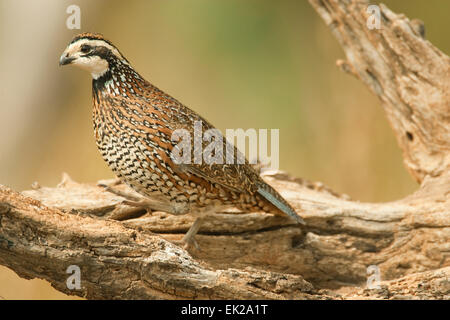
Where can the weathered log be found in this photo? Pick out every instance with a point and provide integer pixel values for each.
(409, 75)
(258, 255)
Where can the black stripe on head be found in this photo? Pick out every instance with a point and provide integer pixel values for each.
(104, 53)
(101, 51)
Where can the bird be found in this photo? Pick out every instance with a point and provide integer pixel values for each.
(134, 124)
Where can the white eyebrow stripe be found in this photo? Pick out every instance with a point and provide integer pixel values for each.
(95, 43)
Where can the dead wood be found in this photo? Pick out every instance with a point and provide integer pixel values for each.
(260, 256)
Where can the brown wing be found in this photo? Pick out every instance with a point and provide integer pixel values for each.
(235, 177)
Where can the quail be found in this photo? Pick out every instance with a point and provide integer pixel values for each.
(134, 125)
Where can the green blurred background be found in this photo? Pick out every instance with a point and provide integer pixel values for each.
(240, 64)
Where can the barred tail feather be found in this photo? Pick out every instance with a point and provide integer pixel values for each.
(280, 203)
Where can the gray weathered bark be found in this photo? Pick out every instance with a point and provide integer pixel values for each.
(43, 231)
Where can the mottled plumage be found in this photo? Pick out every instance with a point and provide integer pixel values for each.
(133, 124)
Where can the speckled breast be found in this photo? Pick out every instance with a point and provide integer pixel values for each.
(138, 162)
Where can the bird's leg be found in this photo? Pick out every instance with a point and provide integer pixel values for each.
(139, 203)
(188, 238)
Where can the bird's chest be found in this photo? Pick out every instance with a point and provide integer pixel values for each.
(125, 153)
(120, 151)
(133, 158)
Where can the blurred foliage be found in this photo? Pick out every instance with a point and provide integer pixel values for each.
(240, 64)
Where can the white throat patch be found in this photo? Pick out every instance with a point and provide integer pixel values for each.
(95, 65)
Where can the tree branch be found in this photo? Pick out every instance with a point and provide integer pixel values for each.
(409, 75)
(258, 255)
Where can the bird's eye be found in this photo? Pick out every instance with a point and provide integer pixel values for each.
(85, 48)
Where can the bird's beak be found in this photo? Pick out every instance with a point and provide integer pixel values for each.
(65, 59)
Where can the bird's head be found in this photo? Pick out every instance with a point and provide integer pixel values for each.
(93, 53)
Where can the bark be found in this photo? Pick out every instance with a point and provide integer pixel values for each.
(258, 255)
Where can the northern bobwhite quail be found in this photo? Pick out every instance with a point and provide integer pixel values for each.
(134, 122)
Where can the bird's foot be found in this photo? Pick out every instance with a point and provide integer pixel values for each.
(188, 240)
(189, 243)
